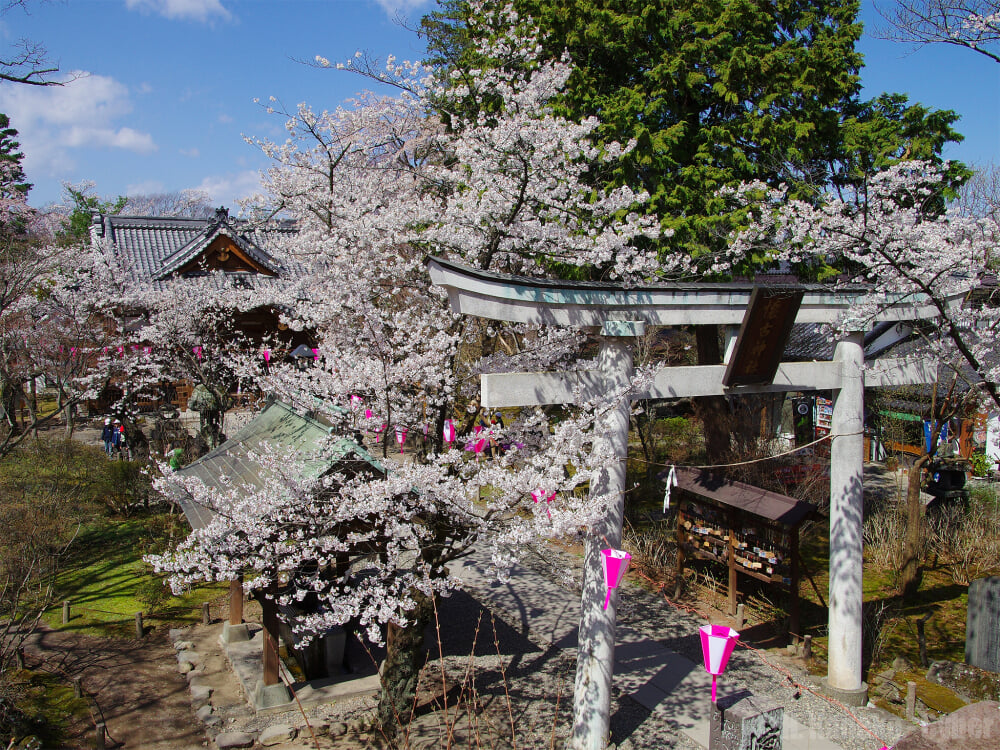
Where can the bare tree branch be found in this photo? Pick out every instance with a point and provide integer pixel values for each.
(973, 24)
(26, 62)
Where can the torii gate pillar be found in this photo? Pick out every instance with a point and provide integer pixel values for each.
(596, 650)
(846, 525)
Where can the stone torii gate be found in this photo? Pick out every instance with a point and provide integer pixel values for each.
(619, 313)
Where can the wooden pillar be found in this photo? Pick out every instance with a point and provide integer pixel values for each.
(236, 601)
(795, 607)
(681, 538)
(731, 548)
(270, 635)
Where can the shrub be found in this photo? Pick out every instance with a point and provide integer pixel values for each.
(981, 464)
(967, 540)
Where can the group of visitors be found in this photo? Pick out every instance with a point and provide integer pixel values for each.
(115, 444)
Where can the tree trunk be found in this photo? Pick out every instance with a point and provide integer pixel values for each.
(70, 420)
(911, 572)
(401, 671)
(712, 410)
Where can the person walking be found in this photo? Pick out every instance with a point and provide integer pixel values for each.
(107, 435)
(117, 438)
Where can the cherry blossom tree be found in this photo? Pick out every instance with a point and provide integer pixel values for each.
(374, 185)
(893, 238)
(973, 24)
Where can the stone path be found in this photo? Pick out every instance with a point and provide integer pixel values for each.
(671, 686)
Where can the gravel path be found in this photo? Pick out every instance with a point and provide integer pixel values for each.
(648, 614)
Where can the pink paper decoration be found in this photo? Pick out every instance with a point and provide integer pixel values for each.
(379, 430)
(121, 350)
(147, 350)
(717, 644)
(427, 429)
(267, 355)
(400, 437)
(315, 354)
(355, 402)
(197, 351)
(615, 564)
(449, 431)
(368, 414)
(539, 494)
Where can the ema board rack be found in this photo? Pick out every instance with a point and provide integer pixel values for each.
(753, 532)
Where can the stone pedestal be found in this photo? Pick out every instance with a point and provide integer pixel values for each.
(268, 696)
(234, 633)
(982, 625)
(745, 722)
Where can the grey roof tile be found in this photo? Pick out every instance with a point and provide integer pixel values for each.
(151, 247)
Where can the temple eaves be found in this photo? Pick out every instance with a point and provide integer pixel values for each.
(522, 299)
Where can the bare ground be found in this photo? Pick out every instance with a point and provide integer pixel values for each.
(134, 687)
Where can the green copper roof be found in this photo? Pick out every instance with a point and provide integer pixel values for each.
(282, 428)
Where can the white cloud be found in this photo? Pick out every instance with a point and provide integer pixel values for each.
(394, 8)
(146, 187)
(195, 10)
(226, 190)
(82, 114)
(193, 152)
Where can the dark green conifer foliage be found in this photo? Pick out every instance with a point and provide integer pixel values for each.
(718, 92)
(14, 186)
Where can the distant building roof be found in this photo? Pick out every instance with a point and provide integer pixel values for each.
(807, 341)
(152, 248)
(282, 428)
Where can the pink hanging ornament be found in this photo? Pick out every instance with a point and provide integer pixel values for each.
(315, 354)
(379, 430)
(400, 437)
(368, 413)
(355, 402)
(427, 429)
(539, 494)
(267, 355)
(615, 564)
(147, 350)
(197, 351)
(121, 350)
(717, 644)
(449, 431)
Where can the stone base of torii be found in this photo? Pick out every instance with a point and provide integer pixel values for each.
(619, 314)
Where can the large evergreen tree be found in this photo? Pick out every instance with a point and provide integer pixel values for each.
(14, 186)
(717, 92)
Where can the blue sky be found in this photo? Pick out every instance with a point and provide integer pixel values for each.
(170, 85)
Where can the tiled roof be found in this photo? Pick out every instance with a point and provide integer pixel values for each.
(282, 428)
(152, 247)
(807, 342)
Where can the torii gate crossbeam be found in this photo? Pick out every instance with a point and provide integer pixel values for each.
(619, 313)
